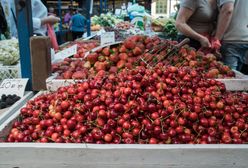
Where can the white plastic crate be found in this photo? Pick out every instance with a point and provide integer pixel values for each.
(10, 72)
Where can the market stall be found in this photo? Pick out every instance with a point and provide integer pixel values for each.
(129, 95)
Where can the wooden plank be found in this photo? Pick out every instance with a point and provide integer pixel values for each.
(120, 156)
(52, 84)
(41, 61)
(235, 84)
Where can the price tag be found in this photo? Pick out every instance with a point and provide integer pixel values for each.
(66, 53)
(107, 38)
(13, 86)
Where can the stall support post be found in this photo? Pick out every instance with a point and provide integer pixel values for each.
(89, 4)
(25, 31)
(60, 32)
(100, 6)
(113, 6)
(105, 6)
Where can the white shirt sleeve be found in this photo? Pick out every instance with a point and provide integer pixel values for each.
(36, 23)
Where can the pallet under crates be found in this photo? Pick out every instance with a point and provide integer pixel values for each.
(51, 155)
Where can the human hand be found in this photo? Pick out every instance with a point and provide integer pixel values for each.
(215, 43)
(51, 20)
(205, 42)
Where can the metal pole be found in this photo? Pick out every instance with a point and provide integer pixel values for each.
(105, 6)
(100, 6)
(59, 35)
(89, 4)
(25, 31)
(114, 6)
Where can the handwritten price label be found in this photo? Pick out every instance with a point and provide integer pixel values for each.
(13, 86)
(66, 53)
(107, 38)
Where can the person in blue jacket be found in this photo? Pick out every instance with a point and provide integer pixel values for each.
(78, 23)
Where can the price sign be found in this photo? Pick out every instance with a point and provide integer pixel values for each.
(66, 53)
(13, 86)
(107, 38)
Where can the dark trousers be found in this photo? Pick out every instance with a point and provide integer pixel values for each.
(76, 35)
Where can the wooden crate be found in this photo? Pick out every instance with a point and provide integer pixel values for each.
(240, 83)
(51, 155)
(34, 155)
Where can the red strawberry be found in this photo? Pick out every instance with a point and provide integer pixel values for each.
(123, 56)
(92, 57)
(121, 64)
(123, 49)
(106, 51)
(137, 51)
(114, 58)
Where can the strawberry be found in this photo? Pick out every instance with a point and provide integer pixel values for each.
(100, 66)
(101, 58)
(114, 58)
(113, 69)
(79, 75)
(129, 44)
(121, 64)
(67, 75)
(123, 56)
(92, 57)
(123, 49)
(106, 51)
(137, 51)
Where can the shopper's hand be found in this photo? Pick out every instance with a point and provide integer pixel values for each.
(215, 44)
(205, 42)
(50, 20)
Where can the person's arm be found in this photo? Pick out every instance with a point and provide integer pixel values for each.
(181, 24)
(37, 22)
(224, 19)
(50, 20)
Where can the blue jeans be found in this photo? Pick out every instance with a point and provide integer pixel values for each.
(235, 55)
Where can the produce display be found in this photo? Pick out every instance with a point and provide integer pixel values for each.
(83, 47)
(170, 29)
(8, 100)
(9, 52)
(164, 105)
(125, 25)
(95, 27)
(127, 55)
(108, 59)
(118, 35)
(105, 20)
(167, 26)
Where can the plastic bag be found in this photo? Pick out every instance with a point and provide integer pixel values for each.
(52, 36)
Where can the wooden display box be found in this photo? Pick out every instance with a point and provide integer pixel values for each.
(52, 155)
(34, 155)
(240, 83)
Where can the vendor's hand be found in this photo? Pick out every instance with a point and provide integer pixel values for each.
(215, 43)
(205, 42)
(51, 20)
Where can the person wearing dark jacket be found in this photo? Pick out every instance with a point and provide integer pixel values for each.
(78, 23)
